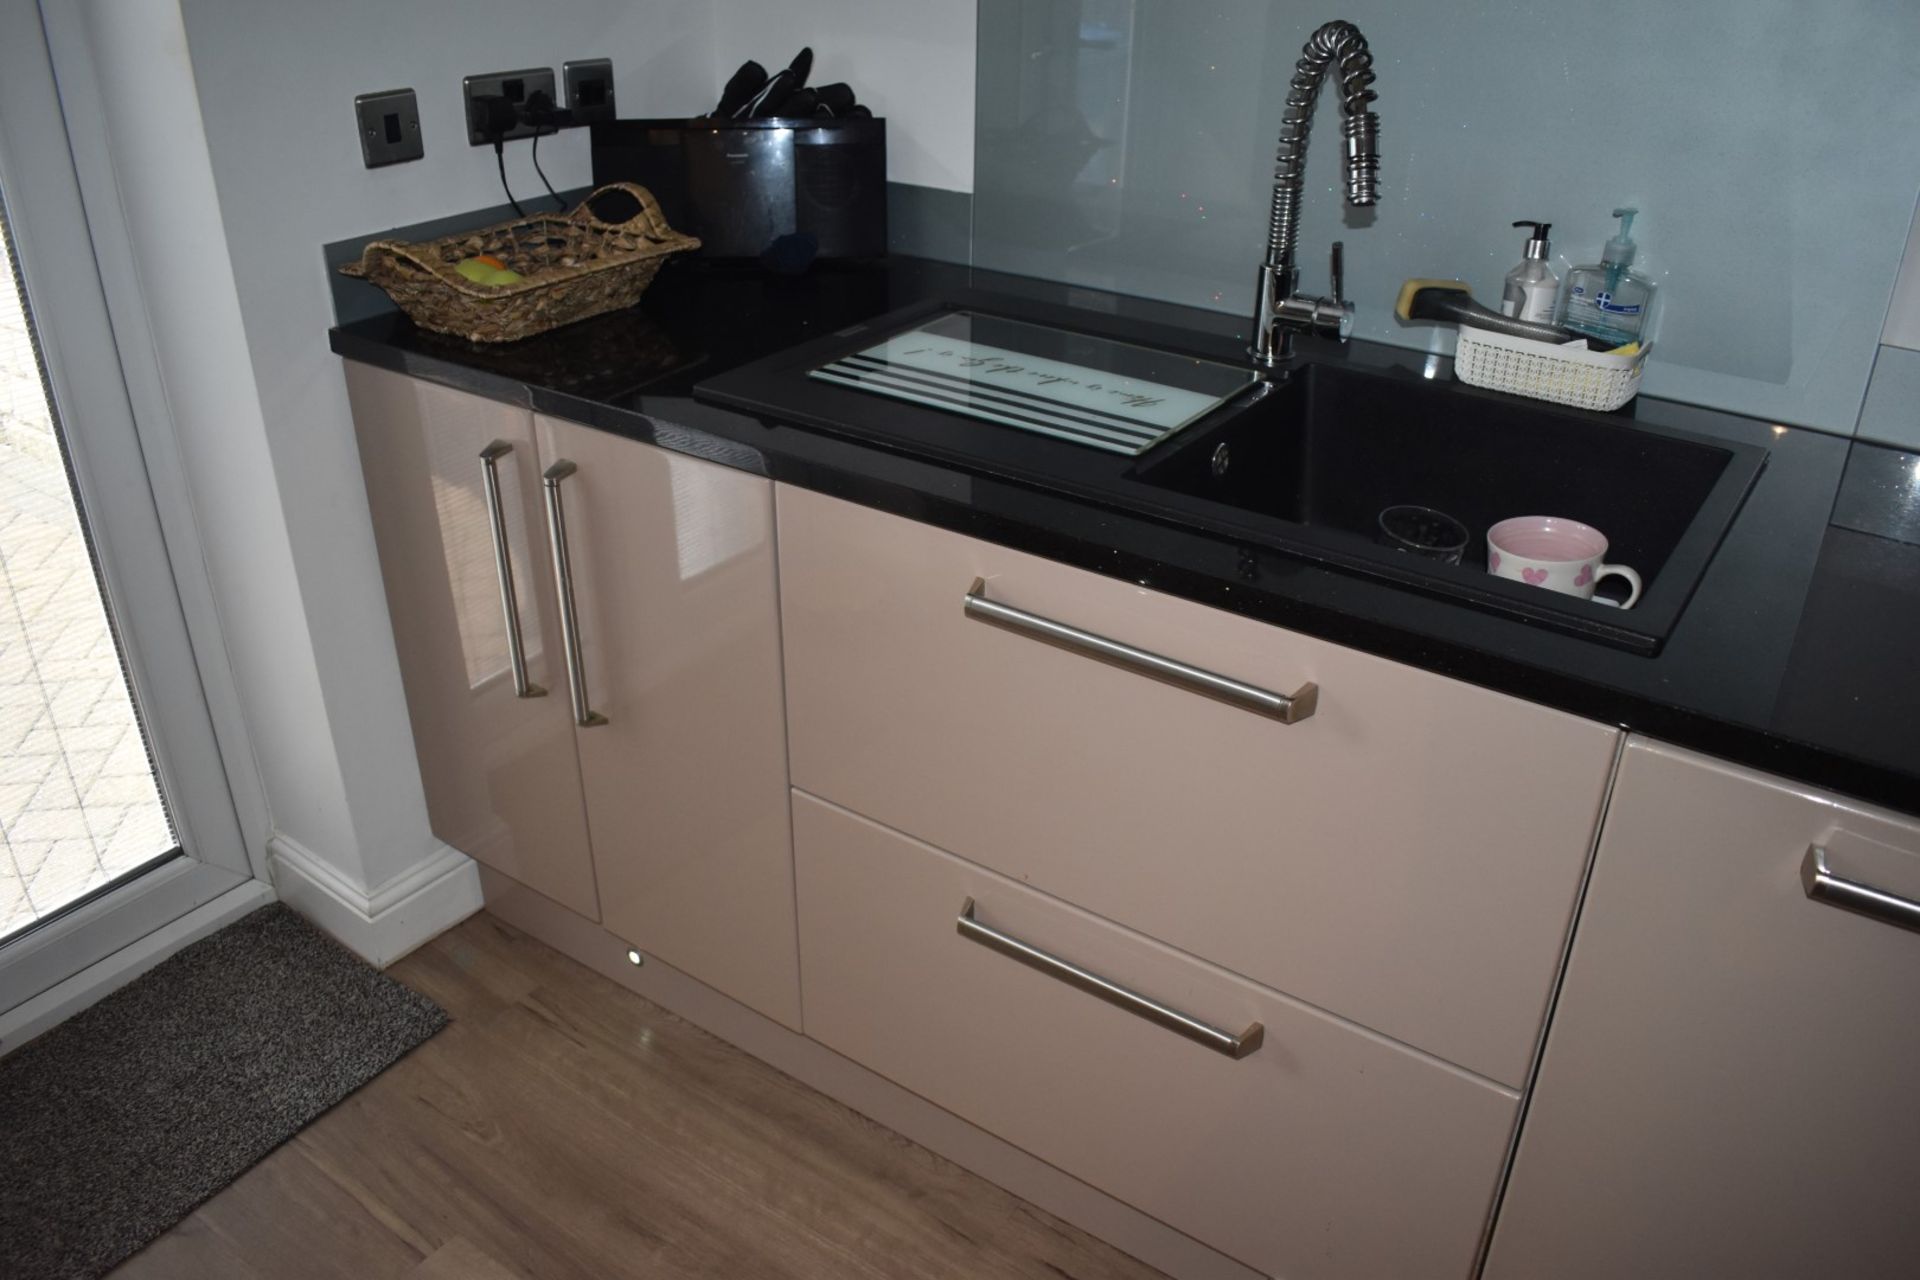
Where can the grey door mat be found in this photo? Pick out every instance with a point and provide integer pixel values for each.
(117, 1123)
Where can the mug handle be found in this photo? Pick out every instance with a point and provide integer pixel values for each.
(1633, 581)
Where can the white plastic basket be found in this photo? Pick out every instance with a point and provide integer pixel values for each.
(1568, 374)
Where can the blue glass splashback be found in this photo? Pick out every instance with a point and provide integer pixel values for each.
(1772, 147)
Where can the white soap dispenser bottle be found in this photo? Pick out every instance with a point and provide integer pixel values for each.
(1532, 288)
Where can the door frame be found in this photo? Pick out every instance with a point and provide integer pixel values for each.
(77, 261)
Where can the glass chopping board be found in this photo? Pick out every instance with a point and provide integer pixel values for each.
(1093, 391)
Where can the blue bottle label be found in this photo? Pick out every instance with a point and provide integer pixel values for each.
(1605, 302)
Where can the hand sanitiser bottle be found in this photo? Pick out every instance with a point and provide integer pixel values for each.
(1606, 300)
(1532, 288)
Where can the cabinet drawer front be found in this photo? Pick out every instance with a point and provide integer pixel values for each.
(1728, 1087)
(501, 779)
(1406, 856)
(1325, 1152)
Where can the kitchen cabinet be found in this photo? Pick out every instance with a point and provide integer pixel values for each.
(496, 752)
(673, 573)
(1376, 865)
(1407, 855)
(636, 774)
(1728, 1087)
(1294, 1142)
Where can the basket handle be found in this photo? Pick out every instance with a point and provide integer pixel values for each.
(655, 221)
(390, 248)
(407, 253)
(411, 256)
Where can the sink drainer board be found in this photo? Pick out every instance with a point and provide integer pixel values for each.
(1117, 396)
(1300, 464)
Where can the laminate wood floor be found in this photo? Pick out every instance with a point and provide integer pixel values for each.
(564, 1127)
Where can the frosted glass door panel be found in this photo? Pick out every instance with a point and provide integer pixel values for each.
(1770, 146)
(80, 804)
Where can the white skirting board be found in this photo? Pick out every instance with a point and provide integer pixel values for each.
(875, 1097)
(382, 925)
(59, 1002)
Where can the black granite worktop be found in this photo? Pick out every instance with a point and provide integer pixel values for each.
(1797, 653)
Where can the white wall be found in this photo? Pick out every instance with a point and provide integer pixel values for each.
(275, 471)
(159, 175)
(283, 507)
(282, 504)
(910, 60)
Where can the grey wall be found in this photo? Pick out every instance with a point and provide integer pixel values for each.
(275, 85)
(910, 60)
(1892, 411)
(1772, 147)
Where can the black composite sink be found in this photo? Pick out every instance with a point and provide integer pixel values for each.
(1305, 462)
(1317, 459)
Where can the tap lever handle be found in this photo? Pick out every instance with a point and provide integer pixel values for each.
(1339, 269)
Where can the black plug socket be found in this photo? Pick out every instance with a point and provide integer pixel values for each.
(494, 116)
(542, 112)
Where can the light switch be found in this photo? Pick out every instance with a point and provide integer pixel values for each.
(389, 127)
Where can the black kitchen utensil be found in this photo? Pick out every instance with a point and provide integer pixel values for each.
(837, 98)
(749, 80)
(801, 102)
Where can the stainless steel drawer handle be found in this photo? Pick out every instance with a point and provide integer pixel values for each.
(1823, 886)
(1233, 1046)
(1287, 708)
(583, 713)
(503, 570)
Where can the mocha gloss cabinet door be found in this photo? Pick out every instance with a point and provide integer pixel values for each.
(498, 765)
(1731, 1083)
(685, 759)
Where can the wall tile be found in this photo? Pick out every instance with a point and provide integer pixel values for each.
(1891, 414)
(1903, 317)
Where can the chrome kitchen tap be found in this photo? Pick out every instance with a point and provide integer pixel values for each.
(1282, 312)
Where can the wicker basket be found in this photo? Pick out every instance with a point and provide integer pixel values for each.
(1568, 374)
(574, 266)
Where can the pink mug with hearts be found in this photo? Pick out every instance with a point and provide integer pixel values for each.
(1555, 553)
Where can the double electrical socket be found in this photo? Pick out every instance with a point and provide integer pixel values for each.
(516, 87)
(589, 95)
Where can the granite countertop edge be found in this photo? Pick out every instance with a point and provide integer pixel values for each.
(1217, 571)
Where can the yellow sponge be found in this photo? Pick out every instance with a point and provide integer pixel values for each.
(1404, 306)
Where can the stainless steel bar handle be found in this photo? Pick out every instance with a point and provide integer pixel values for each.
(1233, 1046)
(1823, 886)
(1287, 708)
(503, 570)
(583, 713)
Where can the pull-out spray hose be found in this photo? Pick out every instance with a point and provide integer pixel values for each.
(1340, 46)
(1280, 310)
